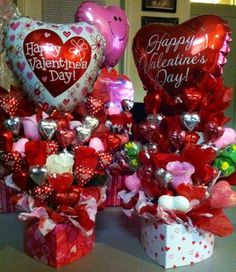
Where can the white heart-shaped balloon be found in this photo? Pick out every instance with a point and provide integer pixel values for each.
(56, 64)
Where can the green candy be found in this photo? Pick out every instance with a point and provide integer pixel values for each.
(226, 160)
(131, 151)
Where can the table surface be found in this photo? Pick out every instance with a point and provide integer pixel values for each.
(117, 249)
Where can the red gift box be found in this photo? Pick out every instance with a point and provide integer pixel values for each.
(117, 183)
(63, 245)
(5, 198)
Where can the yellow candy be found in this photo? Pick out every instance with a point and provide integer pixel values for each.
(224, 166)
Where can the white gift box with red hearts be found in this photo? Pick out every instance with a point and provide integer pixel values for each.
(175, 245)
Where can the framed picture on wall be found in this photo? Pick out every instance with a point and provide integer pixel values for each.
(160, 20)
(159, 5)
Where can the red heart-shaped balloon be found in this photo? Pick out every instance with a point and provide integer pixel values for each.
(182, 56)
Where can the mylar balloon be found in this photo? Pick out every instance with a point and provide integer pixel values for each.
(113, 89)
(57, 64)
(183, 56)
(112, 23)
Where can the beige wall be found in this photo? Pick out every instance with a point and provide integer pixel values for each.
(31, 8)
(134, 13)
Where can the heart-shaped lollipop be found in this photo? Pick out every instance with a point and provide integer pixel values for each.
(83, 133)
(47, 128)
(38, 174)
(190, 120)
(13, 124)
(91, 122)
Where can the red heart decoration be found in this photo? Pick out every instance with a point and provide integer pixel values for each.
(43, 192)
(6, 141)
(35, 152)
(85, 156)
(191, 98)
(21, 179)
(52, 148)
(177, 138)
(94, 105)
(68, 199)
(65, 137)
(191, 191)
(213, 131)
(84, 174)
(13, 161)
(58, 50)
(9, 104)
(182, 56)
(104, 159)
(60, 182)
(222, 196)
(192, 138)
(113, 142)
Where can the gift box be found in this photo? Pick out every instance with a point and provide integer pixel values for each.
(6, 192)
(63, 245)
(116, 184)
(175, 245)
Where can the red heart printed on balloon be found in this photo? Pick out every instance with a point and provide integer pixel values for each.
(42, 47)
(56, 64)
(182, 56)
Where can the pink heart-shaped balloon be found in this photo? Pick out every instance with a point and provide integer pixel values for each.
(112, 22)
(60, 59)
(222, 196)
(182, 56)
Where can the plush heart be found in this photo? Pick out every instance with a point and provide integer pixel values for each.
(56, 64)
(183, 56)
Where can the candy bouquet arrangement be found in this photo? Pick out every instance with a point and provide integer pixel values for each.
(187, 159)
(61, 129)
(113, 90)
